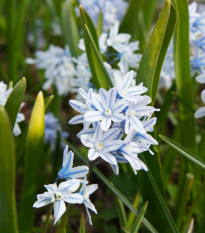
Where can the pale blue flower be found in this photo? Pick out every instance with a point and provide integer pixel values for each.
(85, 191)
(201, 111)
(59, 68)
(126, 87)
(115, 39)
(59, 195)
(112, 10)
(68, 171)
(108, 109)
(52, 127)
(102, 144)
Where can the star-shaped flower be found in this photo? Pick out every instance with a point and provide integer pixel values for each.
(59, 195)
(68, 171)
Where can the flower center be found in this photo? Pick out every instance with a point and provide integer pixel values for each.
(108, 112)
(131, 113)
(98, 146)
(57, 196)
(125, 91)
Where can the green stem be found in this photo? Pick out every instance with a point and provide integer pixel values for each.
(184, 198)
(47, 219)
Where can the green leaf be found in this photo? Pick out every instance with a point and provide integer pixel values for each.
(99, 60)
(69, 27)
(99, 73)
(183, 76)
(121, 212)
(130, 22)
(164, 207)
(155, 51)
(100, 24)
(138, 221)
(8, 213)
(82, 224)
(33, 161)
(48, 101)
(14, 100)
(113, 189)
(184, 152)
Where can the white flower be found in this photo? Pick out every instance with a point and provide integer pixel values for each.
(102, 144)
(68, 171)
(115, 40)
(59, 195)
(201, 111)
(85, 191)
(108, 109)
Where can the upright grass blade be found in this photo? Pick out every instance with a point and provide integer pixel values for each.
(82, 224)
(100, 24)
(99, 73)
(130, 22)
(14, 100)
(8, 213)
(164, 207)
(113, 189)
(101, 81)
(138, 221)
(48, 101)
(121, 213)
(155, 51)
(183, 77)
(70, 28)
(184, 152)
(33, 161)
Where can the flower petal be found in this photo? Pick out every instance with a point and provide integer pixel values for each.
(111, 146)
(93, 116)
(105, 123)
(59, 209)
(93, 154)
(69, 186)
(73, 198)
(200, 112)
(108, 157)
(87, 140)
(77, 120)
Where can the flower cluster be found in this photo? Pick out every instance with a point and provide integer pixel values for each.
(58, 66)
(67, 74)
(126, 53)
(52, 128)
(4, 94)
(75, 190)
(112, 10)
(116, 122)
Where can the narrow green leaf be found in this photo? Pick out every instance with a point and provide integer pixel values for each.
(14, 100)
(33, 161)
(164, 207)
(113, 189)
(184, 152)
(82, 224)
(121, 212)
(138, 221)
(183, 76)
(130, 22)
(99, 73)
(101, 81)
(155, 51)
(47, 101)
(8, 213)
(100, 24)
(69, 27)
(131, 216)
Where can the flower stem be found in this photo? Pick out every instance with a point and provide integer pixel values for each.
(47, 219)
